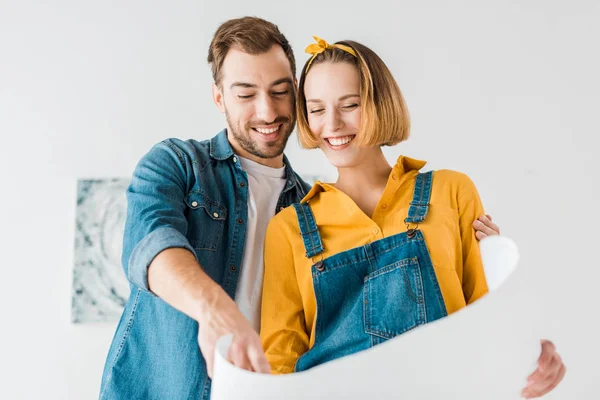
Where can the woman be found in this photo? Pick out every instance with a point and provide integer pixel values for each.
(383, 250)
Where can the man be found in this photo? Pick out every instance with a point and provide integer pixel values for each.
(196, 218)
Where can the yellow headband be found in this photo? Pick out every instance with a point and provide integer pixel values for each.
(321, 45)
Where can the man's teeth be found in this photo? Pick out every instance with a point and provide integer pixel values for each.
(267, 131)
(340, 141)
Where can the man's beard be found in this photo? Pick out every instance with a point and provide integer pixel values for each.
(274, 149)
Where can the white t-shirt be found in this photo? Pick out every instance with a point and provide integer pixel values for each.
(264, 187)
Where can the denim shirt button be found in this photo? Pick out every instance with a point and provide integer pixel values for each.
(234, 159)
(194, 204)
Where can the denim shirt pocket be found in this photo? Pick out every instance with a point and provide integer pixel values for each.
(206, 221)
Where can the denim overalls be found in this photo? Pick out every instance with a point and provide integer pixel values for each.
(371, 293)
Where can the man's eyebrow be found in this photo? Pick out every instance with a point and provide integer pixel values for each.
(247, 85)
(282, 80)
(243, 85)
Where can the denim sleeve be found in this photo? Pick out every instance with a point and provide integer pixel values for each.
(155, 210)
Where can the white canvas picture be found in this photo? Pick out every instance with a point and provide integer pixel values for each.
(100, 288)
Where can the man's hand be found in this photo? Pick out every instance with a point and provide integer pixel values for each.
(484, 227)
(222, 317)
(547, 376)
(176, 277)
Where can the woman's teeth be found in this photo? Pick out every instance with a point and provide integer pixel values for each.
(340, 141)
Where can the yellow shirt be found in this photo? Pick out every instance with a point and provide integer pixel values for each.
(288, 301)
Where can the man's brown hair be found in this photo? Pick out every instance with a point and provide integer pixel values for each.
(252, 35)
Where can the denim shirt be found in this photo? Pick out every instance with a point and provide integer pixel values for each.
(183, 194)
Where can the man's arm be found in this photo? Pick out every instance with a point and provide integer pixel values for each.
(176, 277)
(158, 258)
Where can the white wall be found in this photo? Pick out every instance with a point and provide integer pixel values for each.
(506, 92)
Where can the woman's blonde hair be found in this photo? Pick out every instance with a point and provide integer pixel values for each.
(384, 116)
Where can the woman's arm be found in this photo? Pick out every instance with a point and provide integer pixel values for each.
(469, 209)
(283, 328)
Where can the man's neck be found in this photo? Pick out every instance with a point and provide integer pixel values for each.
(275, 162)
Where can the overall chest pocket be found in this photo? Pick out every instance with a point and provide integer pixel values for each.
(394, 301)
(206, 221)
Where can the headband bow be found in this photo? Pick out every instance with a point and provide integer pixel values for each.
(321, 45)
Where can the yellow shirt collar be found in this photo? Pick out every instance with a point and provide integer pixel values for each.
(403, 165)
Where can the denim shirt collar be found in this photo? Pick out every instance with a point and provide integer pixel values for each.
(220, 149)
(292, 179)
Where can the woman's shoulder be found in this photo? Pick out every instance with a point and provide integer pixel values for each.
(445, 177)
(284, 221)
(287, 218)
(448, 177)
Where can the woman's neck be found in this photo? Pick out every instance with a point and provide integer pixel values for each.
(365, 182)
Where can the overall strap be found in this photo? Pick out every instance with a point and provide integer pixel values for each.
(420, 202)
(308, 229)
